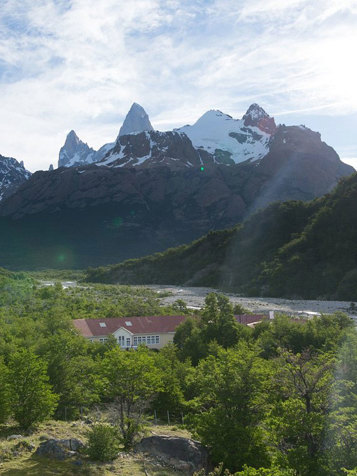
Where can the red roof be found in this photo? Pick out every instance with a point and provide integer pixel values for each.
(249, 318)
(135, 325)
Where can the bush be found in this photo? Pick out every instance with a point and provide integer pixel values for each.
(103, 442)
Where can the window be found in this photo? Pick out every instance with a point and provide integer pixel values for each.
(149, 340)
(128, 323)
(102, 324)
(121, 341)
(103, 339)
(128, 342)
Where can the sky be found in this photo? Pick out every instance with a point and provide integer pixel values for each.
(80, 64)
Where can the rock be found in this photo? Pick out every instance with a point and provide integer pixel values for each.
(23, 446)
(183, 454)
(14, 437)
(59, 449)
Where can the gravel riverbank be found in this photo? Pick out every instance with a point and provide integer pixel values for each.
(194, 297)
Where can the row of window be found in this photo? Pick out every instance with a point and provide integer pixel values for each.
(146, 340)
(137, 340)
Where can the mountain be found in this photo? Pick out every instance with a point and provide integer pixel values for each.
(232, 141)
(215, 137)
(136, 121)
(75, 152)
(155, 190)
(292, 249)
(12, 175)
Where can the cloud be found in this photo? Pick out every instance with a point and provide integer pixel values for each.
(80, 64)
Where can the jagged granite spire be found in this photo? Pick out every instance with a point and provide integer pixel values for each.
(75, 152)
(136, 121)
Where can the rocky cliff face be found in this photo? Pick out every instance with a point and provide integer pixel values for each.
(12, 175)
(154, 148)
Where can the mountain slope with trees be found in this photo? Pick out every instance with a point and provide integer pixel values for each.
(291, 249)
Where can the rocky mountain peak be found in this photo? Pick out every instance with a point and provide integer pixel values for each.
(12, 175)
(72, 140)
(137, 120)
(75, 152)
(256, 116)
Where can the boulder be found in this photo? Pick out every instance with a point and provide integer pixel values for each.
(59, 449)
(183, 454)
(14, 437)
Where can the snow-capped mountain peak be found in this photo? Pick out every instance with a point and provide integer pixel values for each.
(136, 121)
(12, 175)
(225, 139)
(231, 140)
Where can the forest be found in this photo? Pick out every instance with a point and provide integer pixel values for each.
(276, 399)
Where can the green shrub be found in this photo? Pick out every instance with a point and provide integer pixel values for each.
(103, 442)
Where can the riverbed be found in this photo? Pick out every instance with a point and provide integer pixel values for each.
(195, 296)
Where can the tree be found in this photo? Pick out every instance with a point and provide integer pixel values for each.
(32, 399)
(132, 379)
(230, 405)
(4, 392)
(189, 342)
(341, 433)
(81, 386)
(217, 322)
(300, 413)
(71, 371)
(174, 374)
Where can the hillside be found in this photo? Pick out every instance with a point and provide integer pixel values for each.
(291, 249)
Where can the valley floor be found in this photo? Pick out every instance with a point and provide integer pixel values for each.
(194, 297)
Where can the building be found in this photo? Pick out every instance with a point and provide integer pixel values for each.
(154, 331)
(130, 332)
(252, 320)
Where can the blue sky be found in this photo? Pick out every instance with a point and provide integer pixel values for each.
(79, 64)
